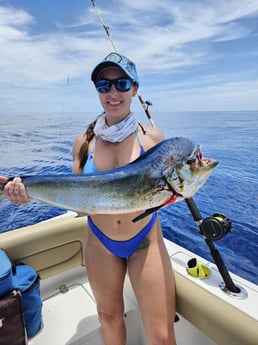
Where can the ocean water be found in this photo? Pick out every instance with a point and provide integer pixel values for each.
(42, 144)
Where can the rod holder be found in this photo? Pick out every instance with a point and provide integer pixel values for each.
(229, 284)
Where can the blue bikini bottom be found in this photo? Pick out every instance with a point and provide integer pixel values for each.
(123, 249)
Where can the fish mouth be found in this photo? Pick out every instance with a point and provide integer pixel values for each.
(205, 164)
(201, 165)
(209, 161)
(198, 163)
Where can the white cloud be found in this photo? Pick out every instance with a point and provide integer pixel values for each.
(163, 37)
(15, 16)
(227, 96)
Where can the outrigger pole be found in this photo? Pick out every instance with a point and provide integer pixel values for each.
(146, 104)
(210, 228)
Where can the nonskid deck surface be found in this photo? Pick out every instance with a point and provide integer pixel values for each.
(70, 315)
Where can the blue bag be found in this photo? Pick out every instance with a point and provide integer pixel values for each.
(26, 280)
(22, 278)
(6, 277)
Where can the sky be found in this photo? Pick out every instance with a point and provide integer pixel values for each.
(191, 55)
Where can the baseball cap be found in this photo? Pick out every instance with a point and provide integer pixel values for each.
(117, 60)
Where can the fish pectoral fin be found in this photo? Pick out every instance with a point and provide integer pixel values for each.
(169, 201)
(146, 213)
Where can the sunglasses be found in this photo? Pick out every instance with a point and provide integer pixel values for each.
(121, 85)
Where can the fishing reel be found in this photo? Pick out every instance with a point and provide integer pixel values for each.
(148, 103)
(216, 226)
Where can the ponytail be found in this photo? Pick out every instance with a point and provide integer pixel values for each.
(89, 134)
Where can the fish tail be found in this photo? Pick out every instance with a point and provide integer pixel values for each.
(3, 181)
(1, 191)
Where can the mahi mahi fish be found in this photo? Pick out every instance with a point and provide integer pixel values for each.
(169, 172)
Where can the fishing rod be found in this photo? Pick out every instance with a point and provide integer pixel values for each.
(214, 228)
(210, 228)
(145, 105)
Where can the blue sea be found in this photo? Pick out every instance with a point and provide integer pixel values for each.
(42, 144)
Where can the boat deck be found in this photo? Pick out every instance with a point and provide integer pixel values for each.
(70, 315)
(56, 250)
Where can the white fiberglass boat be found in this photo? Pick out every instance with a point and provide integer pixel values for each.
(207, 313)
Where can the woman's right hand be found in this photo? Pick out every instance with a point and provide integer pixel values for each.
(15, 191)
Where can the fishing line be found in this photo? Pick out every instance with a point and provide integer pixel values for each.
(145, 105)
(65, 95)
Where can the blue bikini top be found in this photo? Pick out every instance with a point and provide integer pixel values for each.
(90, 168)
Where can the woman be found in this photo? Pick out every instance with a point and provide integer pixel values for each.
(115, 244)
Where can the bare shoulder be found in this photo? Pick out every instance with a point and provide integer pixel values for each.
(80, 138)
(151, 137)
(78, 141)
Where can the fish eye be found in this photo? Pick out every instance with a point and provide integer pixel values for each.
(191, 161)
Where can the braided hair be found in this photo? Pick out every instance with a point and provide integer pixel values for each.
(89, 134)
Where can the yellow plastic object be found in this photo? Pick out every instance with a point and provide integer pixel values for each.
(195, 269)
